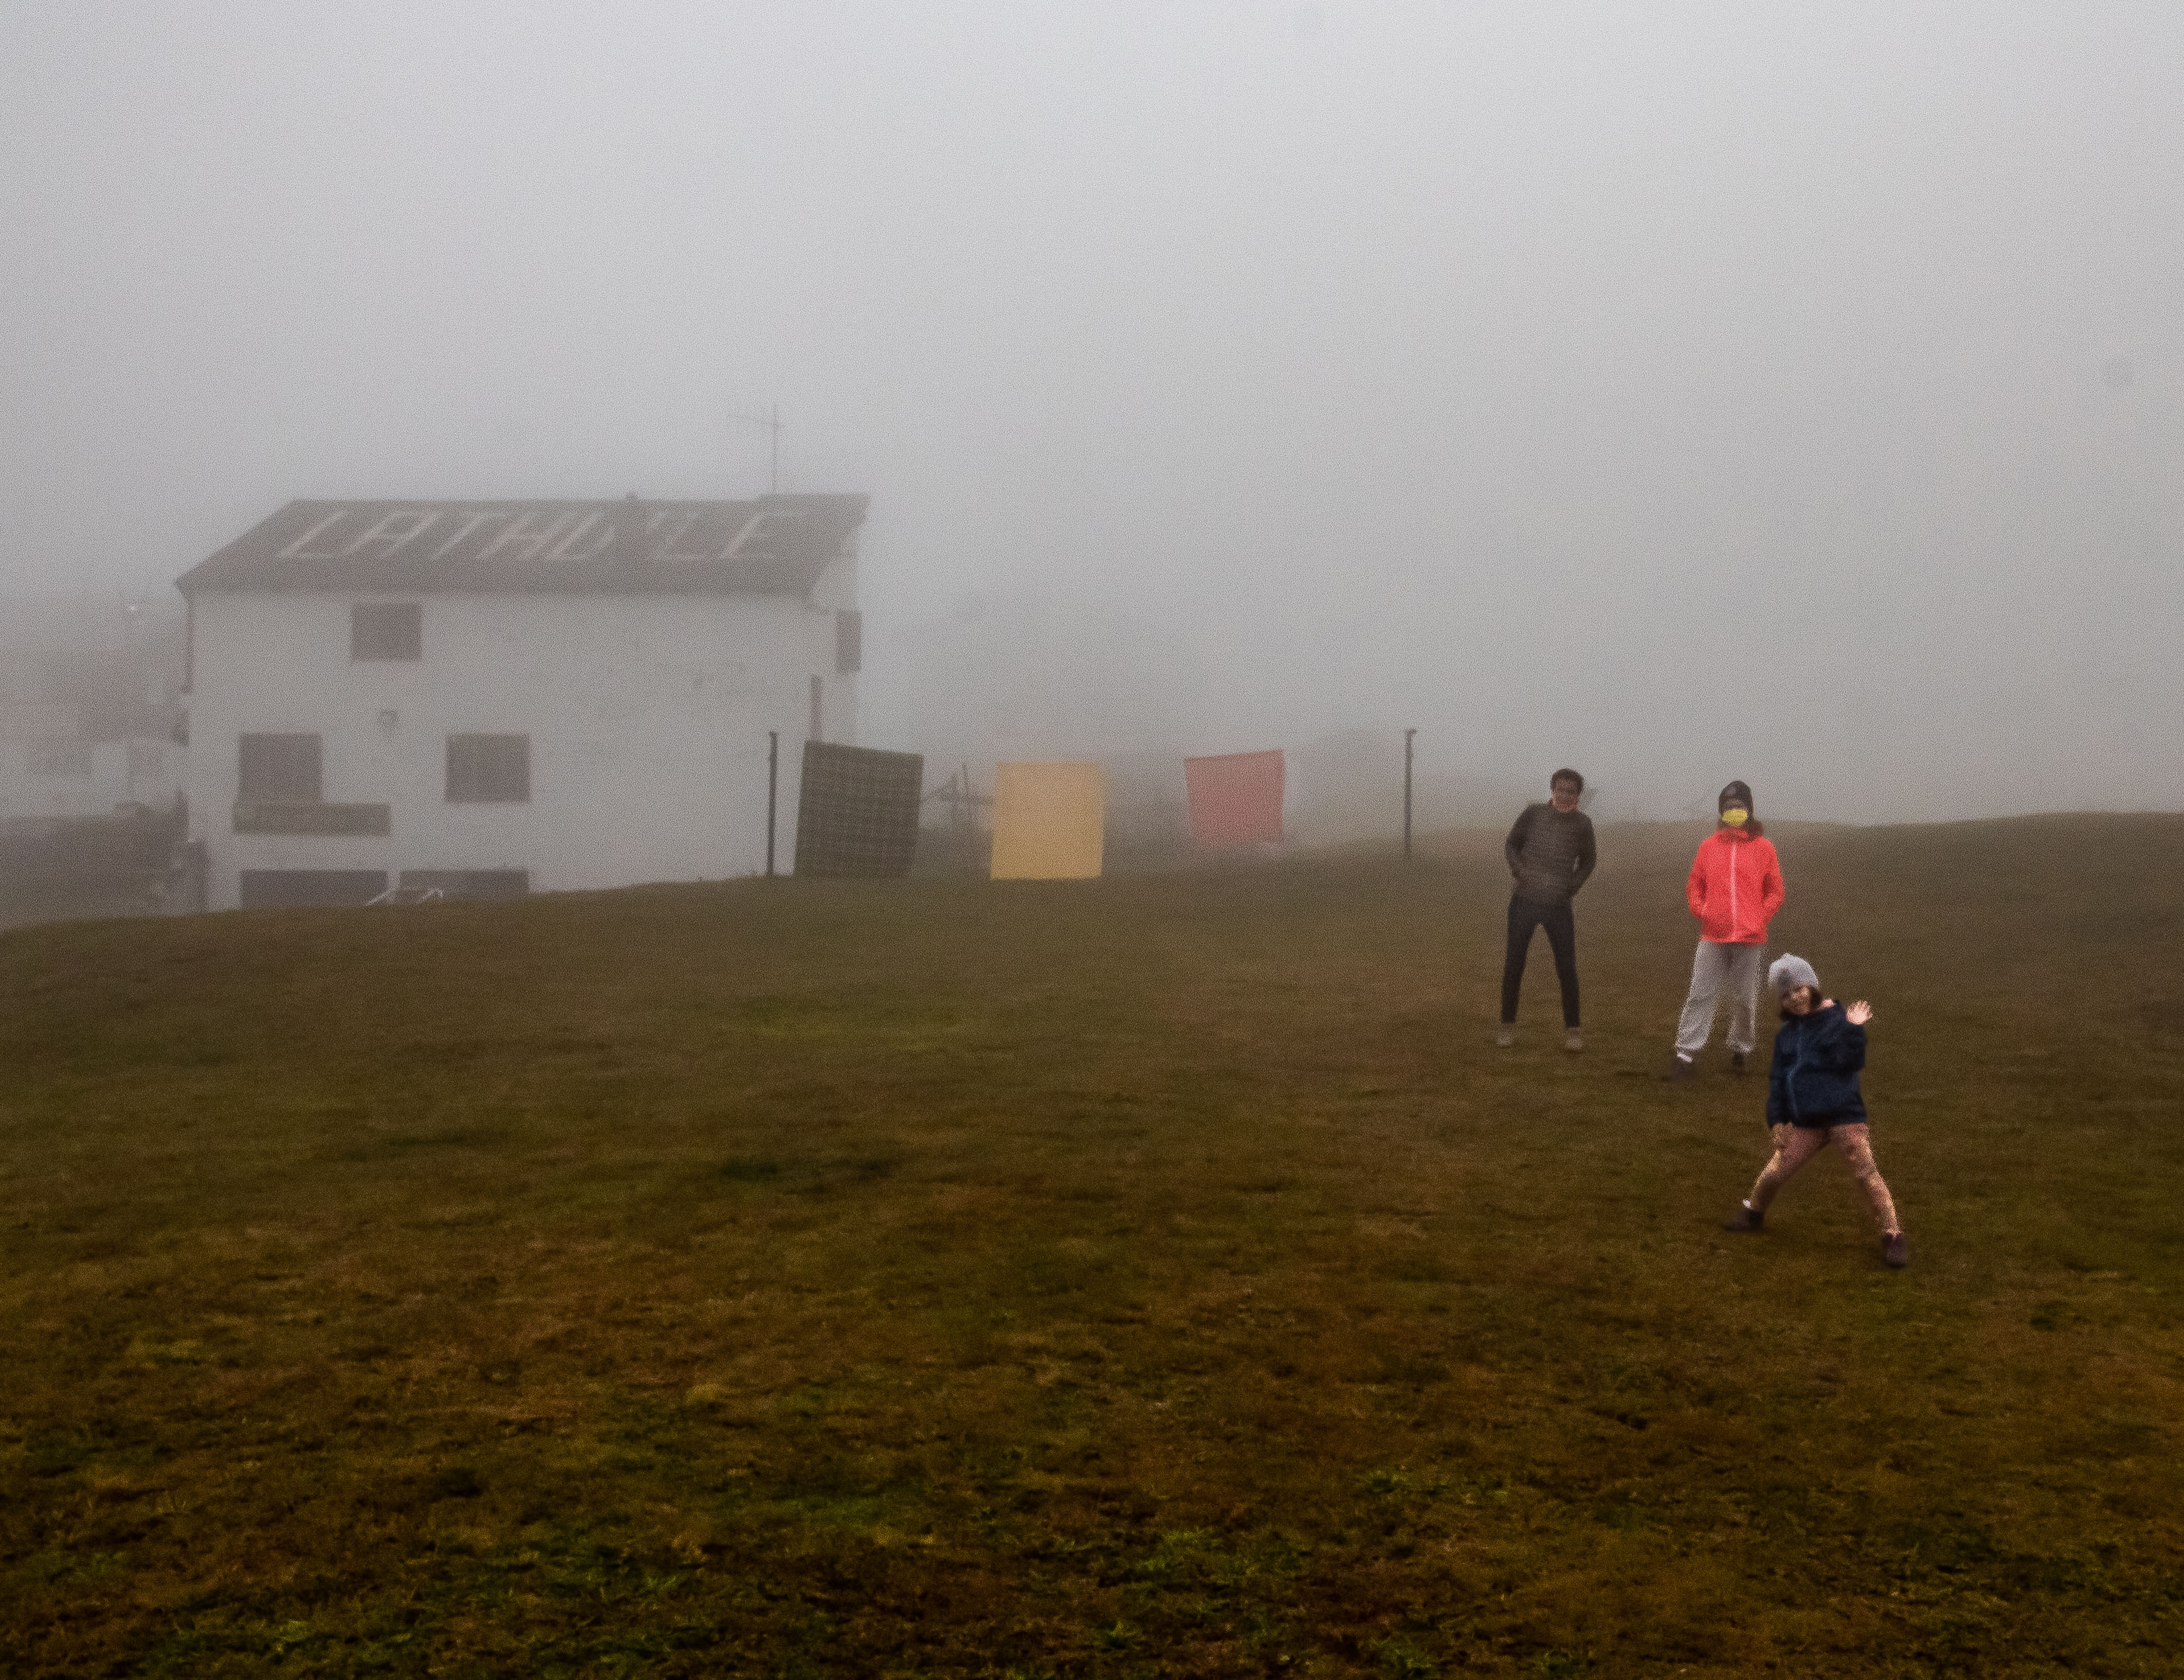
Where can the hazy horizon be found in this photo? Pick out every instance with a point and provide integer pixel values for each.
(1683, 393)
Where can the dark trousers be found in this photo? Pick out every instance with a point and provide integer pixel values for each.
(1524, 915)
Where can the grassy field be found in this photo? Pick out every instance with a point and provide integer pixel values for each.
(1156, 1275)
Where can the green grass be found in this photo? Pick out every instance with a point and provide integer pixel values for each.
(1162, 1275)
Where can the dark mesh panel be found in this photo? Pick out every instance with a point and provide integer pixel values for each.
(858, 812)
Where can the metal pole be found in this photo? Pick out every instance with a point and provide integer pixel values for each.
(129, 610)
(1407, 734)
(772, 782)
(770, 420)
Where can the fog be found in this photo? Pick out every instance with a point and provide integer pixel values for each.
(1681, 392)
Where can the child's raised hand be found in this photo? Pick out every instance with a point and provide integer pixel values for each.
(1858, 1013)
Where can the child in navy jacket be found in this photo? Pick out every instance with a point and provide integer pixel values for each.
(1813, 1099)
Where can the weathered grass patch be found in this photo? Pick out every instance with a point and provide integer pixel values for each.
(1157, 1275)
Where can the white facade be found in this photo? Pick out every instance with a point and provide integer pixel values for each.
(88, 688)
(646, 715)
(50, 769)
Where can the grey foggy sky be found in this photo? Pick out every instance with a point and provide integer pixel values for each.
(1683, 392)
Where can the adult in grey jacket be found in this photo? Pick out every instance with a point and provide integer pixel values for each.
(1551, 855)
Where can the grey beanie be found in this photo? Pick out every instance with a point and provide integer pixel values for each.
(1788, 973)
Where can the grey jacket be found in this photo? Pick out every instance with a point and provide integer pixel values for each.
(1551, 855)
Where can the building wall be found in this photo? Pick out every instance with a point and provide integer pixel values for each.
(647, 717)
(87, 702)
(49, 768)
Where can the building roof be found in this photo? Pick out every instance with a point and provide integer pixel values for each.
(773, 545)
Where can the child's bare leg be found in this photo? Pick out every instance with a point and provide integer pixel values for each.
(1794, 1145)
(1857, 1146)
(1780, 1135)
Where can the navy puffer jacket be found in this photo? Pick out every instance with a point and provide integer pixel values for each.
(1815, 1079)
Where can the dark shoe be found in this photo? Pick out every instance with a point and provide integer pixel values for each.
(1736, 1061)
(1895, 1251)
(1680, 1067)
(1747, 1218)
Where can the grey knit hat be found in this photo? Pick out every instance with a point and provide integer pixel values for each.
(1787, 973)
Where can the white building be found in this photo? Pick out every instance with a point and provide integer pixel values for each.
(88, 692)
(50, 767)
(493, 697)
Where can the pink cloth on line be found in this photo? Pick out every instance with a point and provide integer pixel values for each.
(1235, 798)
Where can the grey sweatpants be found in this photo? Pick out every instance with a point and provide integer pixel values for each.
(1733, 968)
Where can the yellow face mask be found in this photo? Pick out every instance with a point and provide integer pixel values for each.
(1737, 816)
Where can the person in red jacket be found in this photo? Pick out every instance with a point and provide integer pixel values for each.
(1736, 887)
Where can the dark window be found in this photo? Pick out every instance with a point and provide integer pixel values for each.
(275, 769)
(488, 768)
(848, 643)
(267, 889)
(469, 883)
(387, 629)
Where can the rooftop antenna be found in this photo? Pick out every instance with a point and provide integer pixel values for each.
(770, 420)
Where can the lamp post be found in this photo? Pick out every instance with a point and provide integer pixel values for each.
(772, 782)
(1407, 734)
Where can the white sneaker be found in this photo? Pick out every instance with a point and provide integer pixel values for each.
(1573, 1039)
(1505, 1035)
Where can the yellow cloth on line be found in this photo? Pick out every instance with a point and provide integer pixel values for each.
(1049, 821)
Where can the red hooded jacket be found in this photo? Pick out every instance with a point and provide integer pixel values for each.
(1735, 888)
